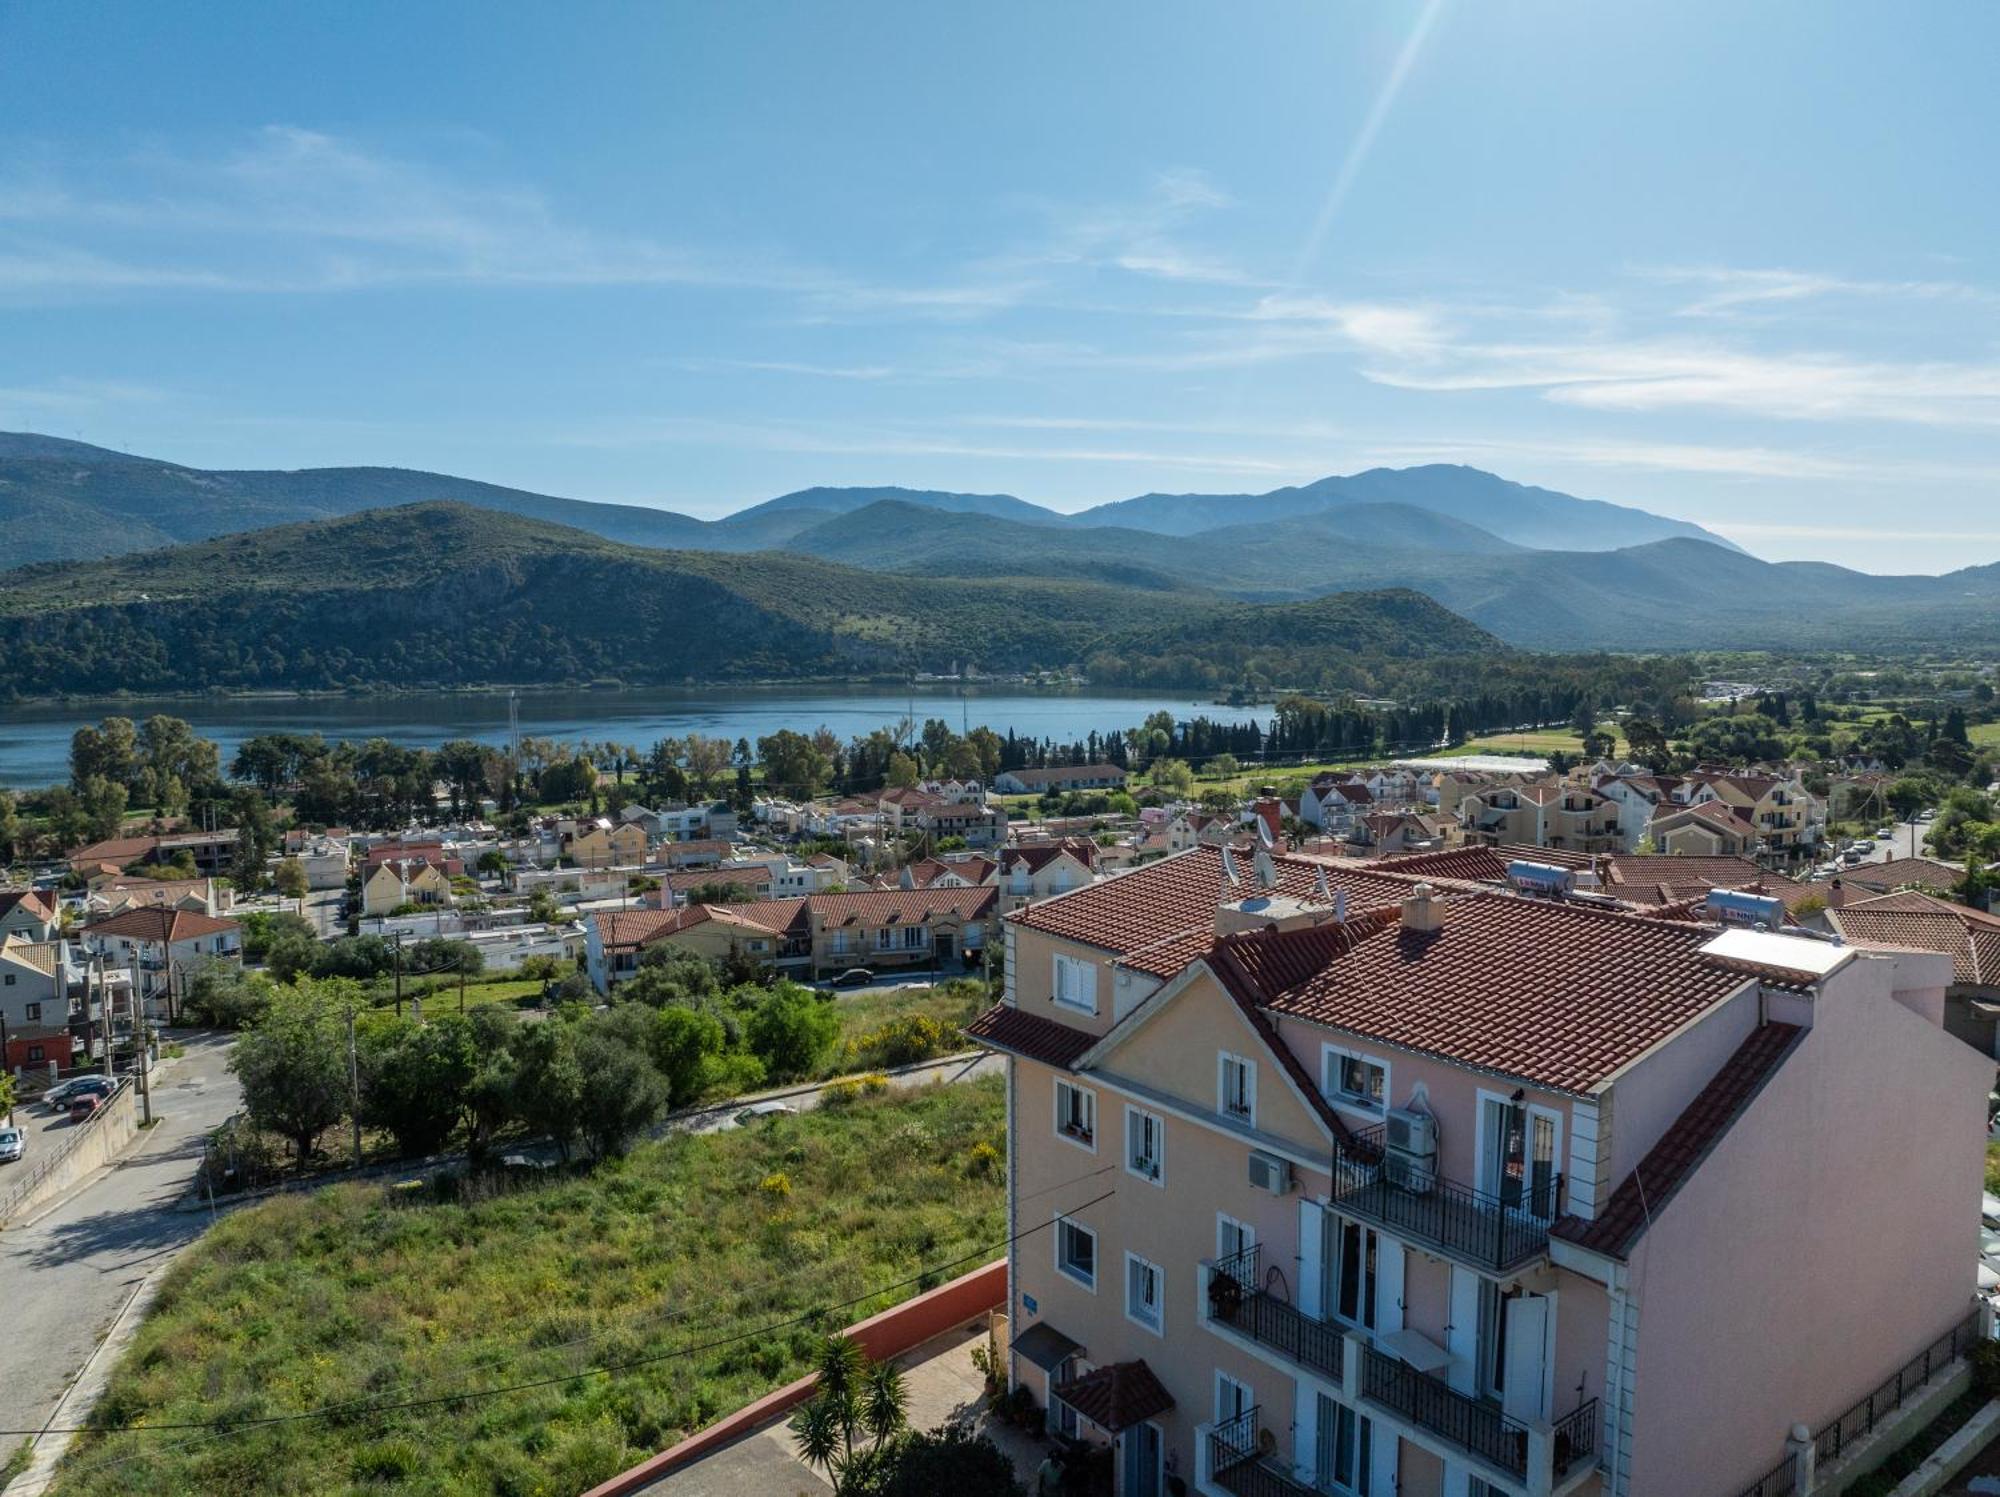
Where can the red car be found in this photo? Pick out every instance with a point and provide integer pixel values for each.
(82, 1107)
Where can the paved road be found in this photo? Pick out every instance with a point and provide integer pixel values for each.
(805, 1097)
(67, 1274)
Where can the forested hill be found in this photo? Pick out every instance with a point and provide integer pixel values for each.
(447, 595)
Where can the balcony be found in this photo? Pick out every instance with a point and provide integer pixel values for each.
(1491, 1233)
(1234, 1459)
(1477, 1426)
(1238, 1299)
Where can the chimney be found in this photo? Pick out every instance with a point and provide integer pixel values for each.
(1269, 812)
(1423, 911)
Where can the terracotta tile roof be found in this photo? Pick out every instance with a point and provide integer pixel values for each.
(1686, 1143)
(1036, 856)
(899, 906)
(40, 955)
(1168, 899)
(1716, 813)
(159, 923)
(621, 928)
(1116, 1397)
(1556, 994)
(1665, 878)
(35, 900)
(1898, 873)
(1005, 1027)
(1065, 772)
(1482, 864)
(1925, 923)
(695, 878)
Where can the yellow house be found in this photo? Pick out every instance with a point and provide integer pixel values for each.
(397, 882)
(622, 846)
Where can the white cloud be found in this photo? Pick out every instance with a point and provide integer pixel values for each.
(1733, 288)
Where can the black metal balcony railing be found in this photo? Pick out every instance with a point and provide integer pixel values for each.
(1238, 1466)
(1575, 1439)
(1237, 1298)
(1492, 1232)
(1473, 1426)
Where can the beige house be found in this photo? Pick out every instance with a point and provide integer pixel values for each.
(1325, 1180)
(1045, 869)
(401, 881)
(161, 945)
(1552, 814)
(606, 846)
(1785, 814)
(1708, 829)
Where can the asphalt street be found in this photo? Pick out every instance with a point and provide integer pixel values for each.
(66, 1274)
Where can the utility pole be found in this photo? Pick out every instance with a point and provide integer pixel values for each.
(145, 1033)
(399, 974)
(5, 1068)
(103, 1008)
(354, 1086)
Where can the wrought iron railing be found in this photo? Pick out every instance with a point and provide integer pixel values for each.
(1496, 1233)
(1780, 1481)
(1575, 1439)
(1856, 1424)
(1470, 1424)
(1238, 1298)
(1238, 1465)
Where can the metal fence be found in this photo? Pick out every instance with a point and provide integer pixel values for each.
(1237, 1299)
(1858, 1422)
(1780, 1481)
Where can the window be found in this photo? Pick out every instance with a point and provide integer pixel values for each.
(1076, 984)
(1076, 1252)
(1346, 1448)
(1232, 1398)
(10, 979)
(1232, 1236)
(1145, 1144)
(33, 1013)
(1352, 1264)
(1236, 1088)
(35, 1056)
(1076, 1115)
(1355, 1080)
(883, 938)
(1143, 1292)
(1064, 1415)
(913, 938)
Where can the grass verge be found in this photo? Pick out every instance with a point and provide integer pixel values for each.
(366, 1293)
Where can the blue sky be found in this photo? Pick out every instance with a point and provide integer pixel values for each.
(1728, 262)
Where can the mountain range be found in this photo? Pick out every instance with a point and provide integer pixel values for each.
(1536, 568)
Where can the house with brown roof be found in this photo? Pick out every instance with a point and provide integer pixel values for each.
(30, 913)
(1932, 874)
(396, 882)
(161, 945)
(1788, 817)
(1332, 1179)
(34, 1005)
(211, 851)
(1921, 922)
(1042, 870)
(1064, 777)
(1709, 828)
(1550, 813)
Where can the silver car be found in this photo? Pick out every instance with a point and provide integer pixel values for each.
(13, 1143)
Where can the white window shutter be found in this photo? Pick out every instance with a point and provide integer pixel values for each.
(1305, 1431)
(1389, 1256)
(1312, 1240)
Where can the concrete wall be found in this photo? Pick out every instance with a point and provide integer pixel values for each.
(81, 1148)
(1829, 1237)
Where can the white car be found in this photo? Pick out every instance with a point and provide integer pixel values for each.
(758, 1110)
(13, 1144)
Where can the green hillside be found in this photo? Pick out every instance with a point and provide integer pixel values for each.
(446, 595)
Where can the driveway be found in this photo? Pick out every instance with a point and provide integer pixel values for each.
(68, 1272)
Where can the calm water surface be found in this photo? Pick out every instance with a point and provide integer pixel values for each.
(34, 741)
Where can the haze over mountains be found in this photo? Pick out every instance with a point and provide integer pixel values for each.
(1537, 569)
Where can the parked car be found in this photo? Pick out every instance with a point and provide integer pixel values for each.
(63, 1093)
(854, 977)
(83, 1106)
(13, 1143)
(1885, 834)
(758, 1110)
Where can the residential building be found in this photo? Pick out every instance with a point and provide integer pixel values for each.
(1643, 881)
(1331, 1181)
(31, 913)
(754, 879)
(34, 1005)
(955, 872)
(1932, 874)
(160, 945)
(1044, 870)
(1925, 923)
(1709, 828)
(1546, 814)
(605, 845)
(1786, 815)
(977, 824)
(770, 931)
(400, 881)
(212, 851)
(1062, 777)
(110, 893)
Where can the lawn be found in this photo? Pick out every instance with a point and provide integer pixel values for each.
(1984, 735)
(360, 1294)
(1537, 741)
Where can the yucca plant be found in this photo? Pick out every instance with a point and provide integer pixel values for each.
(859, 1402)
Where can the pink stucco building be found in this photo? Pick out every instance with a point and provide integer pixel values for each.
(1327, 1179)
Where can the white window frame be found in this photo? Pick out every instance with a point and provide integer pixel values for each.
(1069, 1224)
(1223, 1060)
(1086, 980)
(1232, 1235)
(1481, 1144)
(1330, 1057)
(1157, 1325)
(1226, 1404)
(1139, 1115)
(1088, 1145)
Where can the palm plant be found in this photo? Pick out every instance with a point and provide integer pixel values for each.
(858, 1402)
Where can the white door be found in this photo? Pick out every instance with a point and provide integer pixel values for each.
(1527, 1349)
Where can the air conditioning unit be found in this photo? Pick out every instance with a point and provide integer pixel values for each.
(1410, 1160)
(1269, 1172)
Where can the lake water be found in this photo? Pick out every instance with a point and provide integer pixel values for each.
(34, 741)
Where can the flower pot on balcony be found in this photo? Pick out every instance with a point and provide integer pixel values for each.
(1224, 1295)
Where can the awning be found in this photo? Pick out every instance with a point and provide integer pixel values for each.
(1045, 1346)
(1117, 1397)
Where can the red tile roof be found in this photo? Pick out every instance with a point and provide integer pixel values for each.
(1116, 1397)
(1665, 878)
(1925, 923)
(1005, 1027)
(1177, 897)
(159, 923)
(1481, 864)
(899, 906)
(1898, 873)
(42, 903)
(1036, 856)
(1559, 995)
(1686, 1143)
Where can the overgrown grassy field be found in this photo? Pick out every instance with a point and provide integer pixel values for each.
(953, 1003)
(1984, 734)
(1539, 741)
(442, 997)
(362, 1296)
